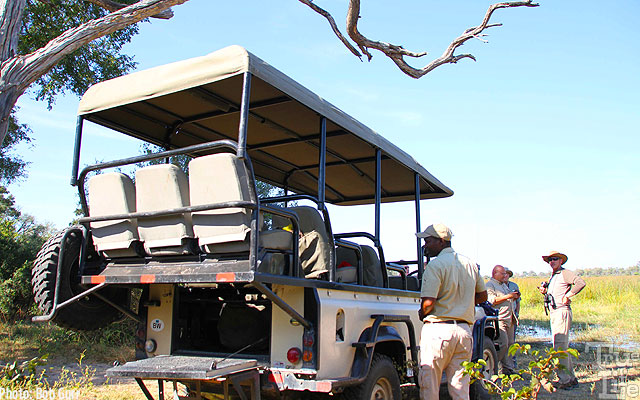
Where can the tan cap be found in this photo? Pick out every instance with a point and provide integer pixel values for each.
(438, 231)
(554, 253)
(509, 272)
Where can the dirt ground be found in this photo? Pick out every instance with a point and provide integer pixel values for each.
(603, 371)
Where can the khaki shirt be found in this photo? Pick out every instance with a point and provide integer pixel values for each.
(506, 309)
(561, 283)
(453, 280)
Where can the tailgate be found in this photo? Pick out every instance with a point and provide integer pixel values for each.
(181, 367)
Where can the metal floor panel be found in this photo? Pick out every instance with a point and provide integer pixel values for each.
(180, 367)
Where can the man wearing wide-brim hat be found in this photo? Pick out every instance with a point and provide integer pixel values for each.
(451, 287)
(562, 286)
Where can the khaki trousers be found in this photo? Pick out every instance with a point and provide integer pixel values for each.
(506, 339)
(443, 347)
(560, 319)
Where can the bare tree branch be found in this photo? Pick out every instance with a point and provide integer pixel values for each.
(17, 73)
(334, 27)
(114, 6)
(397, 53)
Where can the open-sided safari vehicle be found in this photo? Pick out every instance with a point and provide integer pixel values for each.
(242, 294)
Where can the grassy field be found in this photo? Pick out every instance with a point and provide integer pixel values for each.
(606, 310)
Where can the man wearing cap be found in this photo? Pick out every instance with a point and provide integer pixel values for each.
(514, 288)
(502, 298)
(451, 287)
(562, 286)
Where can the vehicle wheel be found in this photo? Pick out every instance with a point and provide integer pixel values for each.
(382, 383)
(86, 314)
(490, 356)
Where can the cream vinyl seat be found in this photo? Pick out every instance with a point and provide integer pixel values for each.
(113, 193)
(314, 242)
(163, 187)
(220, 178)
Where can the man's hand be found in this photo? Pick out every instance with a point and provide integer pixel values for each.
(425, 307)
(566, 300)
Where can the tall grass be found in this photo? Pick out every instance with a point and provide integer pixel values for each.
(24, 340)
(607, 309)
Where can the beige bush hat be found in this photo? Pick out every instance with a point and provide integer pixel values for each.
(438, 231)
(509, 272)
(554, 253)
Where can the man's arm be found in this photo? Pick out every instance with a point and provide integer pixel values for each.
(501, 299)
(426, 306)
(481, 297)
(577, 284)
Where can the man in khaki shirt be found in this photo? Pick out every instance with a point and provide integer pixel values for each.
(502, 298)
(451, 287)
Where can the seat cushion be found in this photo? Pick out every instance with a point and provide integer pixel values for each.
(113, 193)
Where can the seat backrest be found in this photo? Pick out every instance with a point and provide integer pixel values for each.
(314, 244)
(163, 187)
(219, 178)
(395, 282)
(371, 267)
(346, 265)
(113, 193)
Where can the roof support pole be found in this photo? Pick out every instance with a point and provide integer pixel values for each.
(383, 264)
(322, 161)
(244, 116)
(378, 193)
(76, 151)
(420, 254)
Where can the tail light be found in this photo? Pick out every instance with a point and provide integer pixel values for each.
(307, 340)
(308, 348)
(293, 355)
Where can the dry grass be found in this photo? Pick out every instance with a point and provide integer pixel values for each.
(25, 340)
(606, 310)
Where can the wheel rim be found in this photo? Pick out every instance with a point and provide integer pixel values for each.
(382, 390)
(487, 356)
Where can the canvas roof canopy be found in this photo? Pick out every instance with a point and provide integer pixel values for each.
(198, 100)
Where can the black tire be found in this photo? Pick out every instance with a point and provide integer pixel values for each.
(85, 314)
(382, 382)
(490, 356)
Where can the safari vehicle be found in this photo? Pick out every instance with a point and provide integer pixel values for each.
(242, 295)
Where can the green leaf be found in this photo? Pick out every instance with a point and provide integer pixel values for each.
(573, 352)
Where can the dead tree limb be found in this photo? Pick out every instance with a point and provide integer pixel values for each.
(114, 6)
(18, 72)
(334, 26)
(398, 53)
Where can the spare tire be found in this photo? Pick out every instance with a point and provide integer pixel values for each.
(86, 314)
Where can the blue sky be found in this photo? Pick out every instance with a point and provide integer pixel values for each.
(538, 138)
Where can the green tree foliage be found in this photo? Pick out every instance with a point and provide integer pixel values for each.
(12, 166)
(99, 60)
(20, 239)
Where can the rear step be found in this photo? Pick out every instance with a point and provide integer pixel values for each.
(181, 367)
